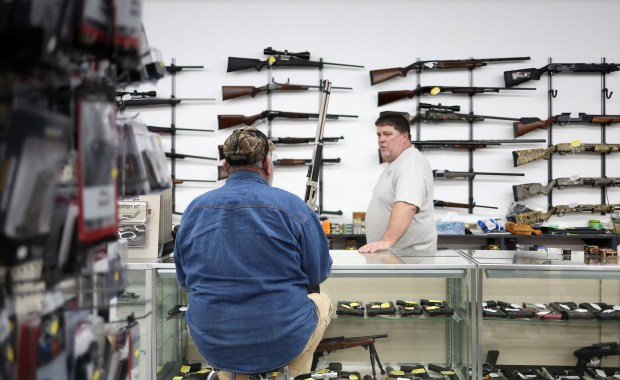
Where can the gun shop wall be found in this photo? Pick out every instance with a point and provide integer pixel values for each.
(389, 34)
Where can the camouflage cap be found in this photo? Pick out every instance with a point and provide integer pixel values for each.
(247, 146)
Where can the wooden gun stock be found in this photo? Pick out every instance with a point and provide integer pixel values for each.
(379, 76)
(231, 92)
(385, 97)
(228, 121)
(605, 120)
(528, 124)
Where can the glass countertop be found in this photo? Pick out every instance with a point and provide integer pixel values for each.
(542, 261)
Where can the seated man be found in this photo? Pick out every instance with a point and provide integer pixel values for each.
(247, 252)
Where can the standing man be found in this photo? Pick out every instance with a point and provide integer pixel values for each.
(401, 212)
(246, 253)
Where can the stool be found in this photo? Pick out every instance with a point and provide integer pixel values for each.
(262, 375)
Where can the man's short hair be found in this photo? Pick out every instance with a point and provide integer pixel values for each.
(247, 146)
(396, 120)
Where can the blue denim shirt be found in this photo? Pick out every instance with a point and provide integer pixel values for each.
(246, 252)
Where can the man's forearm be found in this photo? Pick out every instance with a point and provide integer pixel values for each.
(400, 219)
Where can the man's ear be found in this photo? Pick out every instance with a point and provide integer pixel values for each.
(267, 165)
(226, 166)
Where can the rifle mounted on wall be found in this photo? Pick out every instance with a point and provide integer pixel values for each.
(521, 157)
(385, 97)
(455, 174)
(382, 75)
(515, 77)
(444, 113)
(227, 121)
(467, 144)
(279, 58)
(533, 217)
(529, 124)
(529, 190)
(231, 92)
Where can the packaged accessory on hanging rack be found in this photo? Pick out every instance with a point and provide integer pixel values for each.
(133, 354)
(134, 178)
(36, 151)
(8, 339)
(133, 218)
(97, 161)
(156, 164)
(52, 355)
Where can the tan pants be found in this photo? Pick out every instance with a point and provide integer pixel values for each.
(303, 362)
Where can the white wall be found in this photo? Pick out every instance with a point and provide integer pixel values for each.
(382, 34)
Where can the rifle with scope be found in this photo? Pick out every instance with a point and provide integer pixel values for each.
(444, 113)
(147, 98)
(467, 144)
(533, 217)
(528, 124)
(529, 190)
(227, 121)
(382, 75)
(515, 77)
(385, 97)
(231, 92)
(279, 58)
(521, 157)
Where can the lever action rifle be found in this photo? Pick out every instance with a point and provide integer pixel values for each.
(312, 184)
(596, 351)
(227, 121)
(451, 174)
(528, 124)
(515, 77)
(279, 58)
(529, 190)
(385, 97)
(533, 217)
(378, 76)
(444, 113)
(439, 203)
(231, 92)
(521, 157)
(329, 345)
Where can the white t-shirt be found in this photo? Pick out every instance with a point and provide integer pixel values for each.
(409, 178)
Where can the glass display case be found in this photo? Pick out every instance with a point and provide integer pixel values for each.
(548, 311)
(438, 334)
(152, 292)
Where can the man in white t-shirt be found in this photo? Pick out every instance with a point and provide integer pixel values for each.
(401, 212)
